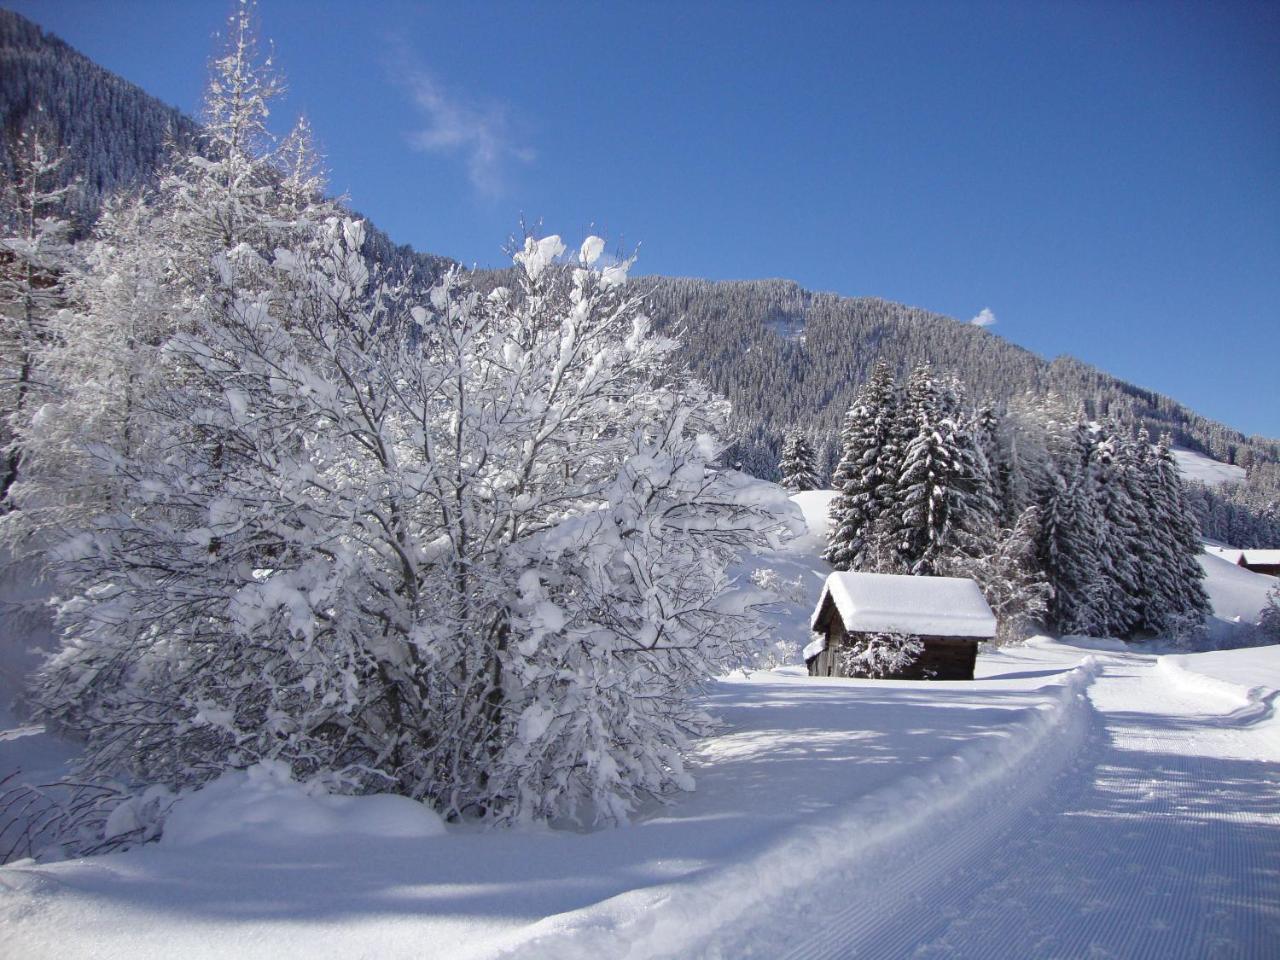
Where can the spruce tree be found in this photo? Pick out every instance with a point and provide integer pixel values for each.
(1122, 531)
(1269, 620)
(944, 488)
(1069, 532)
(866, 477)
(924, 519)
(798, 469)
(1069, 556)
(1178, 598)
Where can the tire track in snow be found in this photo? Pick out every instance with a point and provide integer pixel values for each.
(1154, 847)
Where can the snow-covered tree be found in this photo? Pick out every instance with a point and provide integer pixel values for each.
(1069, 553)
(35, 254)
(1269, 620)
(1011, 579)
(1123, 530)
(1175, 591)
(150, 264)
(828, 460)
(470, 550)
(798, 466)
(944, 489)
(865, 478)
(880, 654)
(226, 194)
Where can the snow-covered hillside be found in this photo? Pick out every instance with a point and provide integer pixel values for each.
(1198, 467)
(1238, 596)
(1021, 807)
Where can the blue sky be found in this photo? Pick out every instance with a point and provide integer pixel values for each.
(1103, 177)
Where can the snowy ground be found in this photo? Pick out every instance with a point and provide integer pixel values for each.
(1238, 597)
(1069, 803)
(1196, 466)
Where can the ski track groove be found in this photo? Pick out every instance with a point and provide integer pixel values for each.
(1122, 860)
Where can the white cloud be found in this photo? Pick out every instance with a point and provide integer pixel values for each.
(985, 318)
(480, 135)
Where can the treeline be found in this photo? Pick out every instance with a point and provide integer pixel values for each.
(786, 356)
(1080, 525)
(1242, 514)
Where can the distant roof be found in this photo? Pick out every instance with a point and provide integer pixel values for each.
(1254, 558)
(927, 606)
(1230, 554)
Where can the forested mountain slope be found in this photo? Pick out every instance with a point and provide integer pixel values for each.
(786, 356)
(114, 135)
(783, 355)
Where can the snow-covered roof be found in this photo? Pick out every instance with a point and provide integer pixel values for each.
(927, 606)
(1254, 558)
(811, 650)
(1230, 554)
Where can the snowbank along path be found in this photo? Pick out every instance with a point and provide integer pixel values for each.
(1160, 840)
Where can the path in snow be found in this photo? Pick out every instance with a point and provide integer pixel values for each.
(1162, 841)
(798, 758)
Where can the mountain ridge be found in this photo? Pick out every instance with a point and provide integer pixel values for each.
(783, 354)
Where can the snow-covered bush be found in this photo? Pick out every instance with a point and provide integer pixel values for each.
(467, 548)
(880, 654)
(471, 550)
(1011, 579)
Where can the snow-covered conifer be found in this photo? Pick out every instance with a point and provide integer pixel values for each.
(866, 477)
(224, 195)
(798, 468)
(1269, 620)
(944, 488)
(1069, 534)
(1175, 593)
(1123, 533)
(153, 264)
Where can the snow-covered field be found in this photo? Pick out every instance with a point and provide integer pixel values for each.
(1238, 596)
(1069, 803)
(1206, 470)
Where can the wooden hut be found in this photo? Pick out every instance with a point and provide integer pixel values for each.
(1261, 561)
(948, 615)
(1257, 561)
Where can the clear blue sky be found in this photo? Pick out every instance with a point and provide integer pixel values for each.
(1104, 177)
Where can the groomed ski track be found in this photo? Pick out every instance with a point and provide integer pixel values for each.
(1071, 803)
(1159, 838)
(1137, 817)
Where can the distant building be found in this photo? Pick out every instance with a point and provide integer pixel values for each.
(948, 615)
(1261, 561)
(1229, 554)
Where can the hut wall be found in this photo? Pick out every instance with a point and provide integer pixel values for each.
(944, 658)
(1270, 569)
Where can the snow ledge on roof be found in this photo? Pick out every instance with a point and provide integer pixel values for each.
(926, 606)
